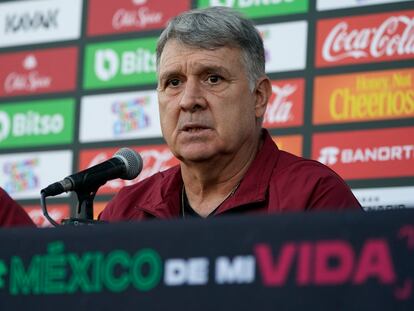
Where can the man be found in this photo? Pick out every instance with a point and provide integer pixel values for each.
(11, 213)
(212, 93)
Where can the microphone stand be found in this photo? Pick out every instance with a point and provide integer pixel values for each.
(84, 210)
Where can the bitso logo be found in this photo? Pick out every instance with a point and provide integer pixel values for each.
(106, 64)
(36, 123)
(121, 63)
(4, 125)
(329, 155)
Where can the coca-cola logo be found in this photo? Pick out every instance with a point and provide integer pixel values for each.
(279, 108)
(28, 81)
(394, 37)
(154, 161)
(31, 21)
(140, 18)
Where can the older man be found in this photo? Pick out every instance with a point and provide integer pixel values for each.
(212, 93)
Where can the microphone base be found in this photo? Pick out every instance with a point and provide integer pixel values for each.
(82, 222)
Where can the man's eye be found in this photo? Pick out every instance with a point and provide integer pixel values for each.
(173, 82)
(214, 79)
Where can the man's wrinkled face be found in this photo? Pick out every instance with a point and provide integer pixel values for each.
(206, 107)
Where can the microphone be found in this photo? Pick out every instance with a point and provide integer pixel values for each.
(125, 164)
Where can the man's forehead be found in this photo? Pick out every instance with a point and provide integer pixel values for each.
(178, 57)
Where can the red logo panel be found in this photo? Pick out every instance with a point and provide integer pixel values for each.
(367, 154)
(363, 39)
(155, 158)
(119, 16)
(57, 212)
(40, 71)
(285, 107)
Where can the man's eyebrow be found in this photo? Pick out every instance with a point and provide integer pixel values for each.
(168, 73)
(199, 69)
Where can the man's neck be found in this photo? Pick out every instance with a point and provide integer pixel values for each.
(210, 183)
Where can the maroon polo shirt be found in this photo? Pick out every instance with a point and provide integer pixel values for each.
(275, 182)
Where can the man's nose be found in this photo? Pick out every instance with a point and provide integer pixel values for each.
(193, 96)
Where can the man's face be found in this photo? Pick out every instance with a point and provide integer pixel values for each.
(206, 106)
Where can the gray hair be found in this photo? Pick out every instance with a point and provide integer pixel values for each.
(217, 27)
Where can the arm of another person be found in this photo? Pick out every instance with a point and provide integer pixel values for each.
(11, 213)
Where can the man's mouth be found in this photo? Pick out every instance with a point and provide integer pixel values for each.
(193, 128)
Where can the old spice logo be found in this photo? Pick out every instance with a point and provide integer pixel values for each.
(331, 155)
(141, 17)
(279, 108)
(31, 80)
(394, 37)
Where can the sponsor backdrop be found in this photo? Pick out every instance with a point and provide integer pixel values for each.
(77, 82)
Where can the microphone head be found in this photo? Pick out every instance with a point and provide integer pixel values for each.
(133, 162)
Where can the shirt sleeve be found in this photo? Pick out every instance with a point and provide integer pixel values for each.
(11, 213)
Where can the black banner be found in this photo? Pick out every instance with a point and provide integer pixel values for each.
(320, 261)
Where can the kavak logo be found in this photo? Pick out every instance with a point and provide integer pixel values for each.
(28, 22)
(289, 143)
(156, 158)
(367, 154)
(291, 55)
(41, 71)
(365, 96)
(323, 5)
(119, 16)
(363, 39)
(119, 116)
(121, 63)
(260, 8)
(285, 107)
(46, 122)
(23, 175)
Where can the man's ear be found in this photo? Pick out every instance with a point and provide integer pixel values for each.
(263, 91)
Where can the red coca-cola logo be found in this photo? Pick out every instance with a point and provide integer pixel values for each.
(155, 159)
(285, 106)
(364, 39)
(45, 71)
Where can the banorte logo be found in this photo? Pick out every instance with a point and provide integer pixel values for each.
(131, 115)
(367, 153)
(329, 155)
(29, 81)
(364, 39)
(21, 175)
